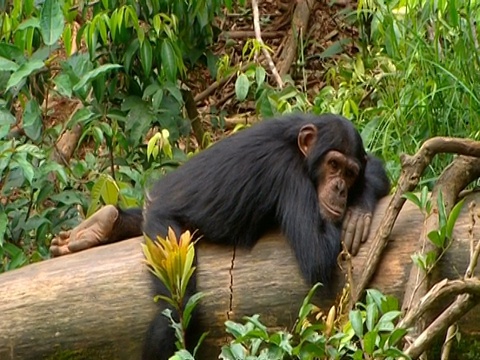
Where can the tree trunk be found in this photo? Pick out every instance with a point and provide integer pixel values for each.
(97, 304)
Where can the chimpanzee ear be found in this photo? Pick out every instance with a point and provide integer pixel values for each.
(307, 138)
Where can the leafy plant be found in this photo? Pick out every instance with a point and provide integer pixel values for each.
(369, 333)
(171, 260)
(440, 237)
(123, 68)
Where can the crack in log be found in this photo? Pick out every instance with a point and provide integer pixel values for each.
(230, 273)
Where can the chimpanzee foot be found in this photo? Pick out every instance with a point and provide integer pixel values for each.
(92, 232)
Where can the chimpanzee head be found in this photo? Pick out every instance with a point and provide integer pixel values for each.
(336, 161)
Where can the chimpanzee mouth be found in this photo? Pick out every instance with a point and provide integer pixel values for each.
(332, 212)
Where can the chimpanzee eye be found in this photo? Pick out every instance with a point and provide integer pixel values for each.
(333, 164)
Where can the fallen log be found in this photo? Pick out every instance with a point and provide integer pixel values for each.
(97, 304)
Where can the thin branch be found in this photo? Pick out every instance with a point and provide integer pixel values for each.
(463, 304)
(258, 36)
(412, 168)
(245, 34)
(447, 346)
(441, 290)
(462, 171)
(214, 86)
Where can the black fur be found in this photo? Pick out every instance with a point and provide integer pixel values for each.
(243, 185)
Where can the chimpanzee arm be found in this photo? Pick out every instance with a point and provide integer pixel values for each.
(316, 242)
(374, 185)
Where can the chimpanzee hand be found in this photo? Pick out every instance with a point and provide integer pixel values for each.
(356, 227)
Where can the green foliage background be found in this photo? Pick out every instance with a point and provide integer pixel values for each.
(413, 74)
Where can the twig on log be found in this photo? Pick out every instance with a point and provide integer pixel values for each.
(412, 169)
(258, 36)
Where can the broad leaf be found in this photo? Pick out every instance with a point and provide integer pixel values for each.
(88, 77)
(169, 64)
(32, 120)
(242, 85)
(24, 71)
(7, 65)
(51, 21)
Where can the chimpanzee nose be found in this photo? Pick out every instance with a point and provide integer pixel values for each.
(341, 188)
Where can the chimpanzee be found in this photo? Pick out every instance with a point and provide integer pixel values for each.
(306, 174)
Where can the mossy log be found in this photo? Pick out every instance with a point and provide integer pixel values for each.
(97, 304)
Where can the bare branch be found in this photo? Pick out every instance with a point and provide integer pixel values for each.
(463, 304)
(258, 36)
(440, 291)
(412, 168)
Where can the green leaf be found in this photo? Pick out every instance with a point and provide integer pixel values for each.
(146, 57)
(453, 8)
(110, 192)
(452, 218)
(16, 254)
(63, 85)
(356, 320)
(306, 307)
(99, 87)
(6, 120)
(28, 170)
(24, 71)
(152, 148)
(82, 116)
(8, 65)
(413, 198)
(369, 341)
(32, 120)
(138, 120)
(182, 354)
(51, 21)
(169, 64)
(260, 75)
(372, 316)
(67, 39)
(436, 238)
(3, 227)
(386, 321)
(419, 260)
(236, 329)
(129, 55)
(242, 85)
(29, 23)
(396, 336)
(233, 351)
(102, 69)
(442, 211)
(375, 296)
(389, 303)
(190, 306)
(425, 202)
(106, 189)
(336, 48)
